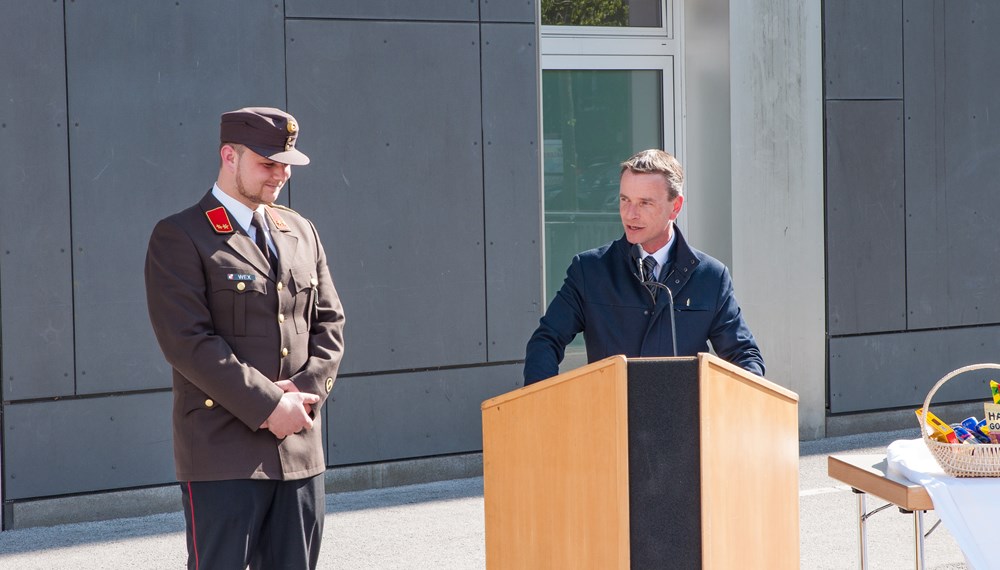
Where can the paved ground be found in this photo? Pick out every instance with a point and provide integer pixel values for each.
(440, 526)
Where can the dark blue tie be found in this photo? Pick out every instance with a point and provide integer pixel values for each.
(258, 225)
(648, 265)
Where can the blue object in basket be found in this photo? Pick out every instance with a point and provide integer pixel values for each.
(964, 435)
(976, 427)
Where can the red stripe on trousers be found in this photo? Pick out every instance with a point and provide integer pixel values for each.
(194, 537)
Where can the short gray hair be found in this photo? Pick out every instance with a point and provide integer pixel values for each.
(658, 161)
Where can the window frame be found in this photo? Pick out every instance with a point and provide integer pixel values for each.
(663, 31)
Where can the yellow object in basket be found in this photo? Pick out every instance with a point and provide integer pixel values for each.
(995, 389)
(942, 431)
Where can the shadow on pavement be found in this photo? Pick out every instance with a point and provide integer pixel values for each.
(851, 442)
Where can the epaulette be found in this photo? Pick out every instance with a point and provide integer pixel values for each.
(276, 220)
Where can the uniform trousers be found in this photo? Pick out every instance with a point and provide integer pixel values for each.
(261, 523)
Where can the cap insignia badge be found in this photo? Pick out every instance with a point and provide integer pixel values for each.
(292, 127)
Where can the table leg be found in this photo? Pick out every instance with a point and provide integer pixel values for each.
(918, 540)
(862, 531)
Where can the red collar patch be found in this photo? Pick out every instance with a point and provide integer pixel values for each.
(219, 219)
(279, 224)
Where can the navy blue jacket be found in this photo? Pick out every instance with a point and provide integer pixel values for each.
(604, 298)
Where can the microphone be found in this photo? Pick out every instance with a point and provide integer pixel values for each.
(648, 281)
(637, 258)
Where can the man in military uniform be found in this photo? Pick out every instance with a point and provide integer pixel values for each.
(247, 315)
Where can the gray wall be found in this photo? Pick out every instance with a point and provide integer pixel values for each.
(911, 199)
(421, 118)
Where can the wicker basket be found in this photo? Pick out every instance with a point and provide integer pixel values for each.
(959, 459)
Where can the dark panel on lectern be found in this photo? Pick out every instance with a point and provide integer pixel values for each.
(664, 464)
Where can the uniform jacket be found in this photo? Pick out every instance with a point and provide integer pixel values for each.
(229, 330)
(603, 297)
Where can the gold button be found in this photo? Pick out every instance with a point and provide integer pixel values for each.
(329, 384)
(209, 403)
(284, 352)
(313, 281)
(281, 318)
(280, 286)
(241, 286)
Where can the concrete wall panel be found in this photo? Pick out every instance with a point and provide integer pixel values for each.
(952, 165)
(396, 184)
(396, 416)
(875, 372)
(83, 445)
(461, 10)
(508, 10)
(144, 144)
(512, 193)
(924, 70)
(865, 217)
(864, 49)
(35, 264)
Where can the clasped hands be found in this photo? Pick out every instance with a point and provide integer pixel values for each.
(293, 412)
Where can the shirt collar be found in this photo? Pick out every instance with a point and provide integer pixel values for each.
(662, 255)
(241, 213)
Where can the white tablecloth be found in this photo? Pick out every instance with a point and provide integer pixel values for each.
(965, 505)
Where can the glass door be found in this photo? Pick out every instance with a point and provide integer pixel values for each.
(592, 120)
(609, 80)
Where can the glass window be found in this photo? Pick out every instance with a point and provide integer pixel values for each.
(604, 13)
(592, 121)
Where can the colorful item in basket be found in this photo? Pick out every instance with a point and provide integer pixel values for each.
(972, 424)
(985, 429)
(995, 389)
(991, 413)
(964, 435)
(939, 430)
(982, 430)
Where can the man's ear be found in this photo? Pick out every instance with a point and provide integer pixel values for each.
(678, 203)
(228, 155)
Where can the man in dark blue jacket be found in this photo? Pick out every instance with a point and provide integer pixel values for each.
(617, 295)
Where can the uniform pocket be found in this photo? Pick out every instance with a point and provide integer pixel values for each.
(304, 284)
(190, 399)
(231, 288)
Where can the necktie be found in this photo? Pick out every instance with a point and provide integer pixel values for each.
(648, 265)
(258, 225)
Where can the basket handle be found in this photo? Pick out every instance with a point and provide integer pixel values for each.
(949, 376)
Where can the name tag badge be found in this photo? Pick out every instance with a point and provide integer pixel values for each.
(241, 277)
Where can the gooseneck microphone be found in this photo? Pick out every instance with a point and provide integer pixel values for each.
(673, 328)
(636, 254)
(648, 282)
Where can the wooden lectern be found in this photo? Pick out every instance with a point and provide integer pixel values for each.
(643, 463)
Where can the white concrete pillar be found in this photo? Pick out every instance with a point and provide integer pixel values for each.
(778, 234)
